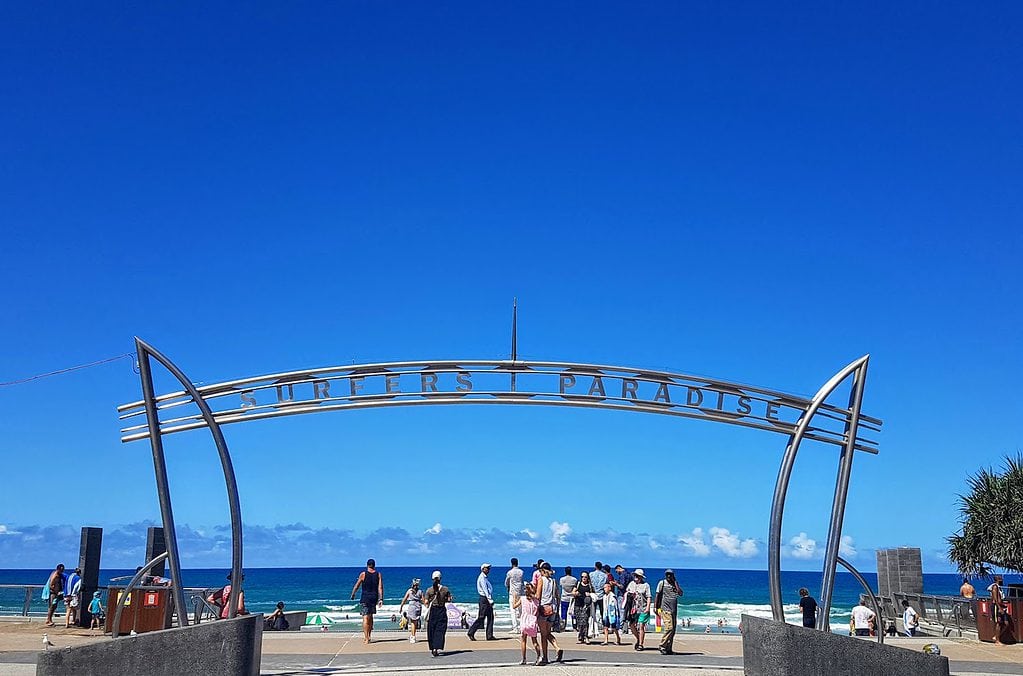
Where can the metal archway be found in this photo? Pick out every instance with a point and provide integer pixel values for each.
(547, 383)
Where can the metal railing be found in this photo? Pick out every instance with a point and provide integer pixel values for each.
(953, 614)
(31, 592)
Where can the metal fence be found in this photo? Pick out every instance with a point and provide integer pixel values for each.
(953, 614)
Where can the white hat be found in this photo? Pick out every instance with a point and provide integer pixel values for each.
(485, 565)
(436, 575)
(639, 571)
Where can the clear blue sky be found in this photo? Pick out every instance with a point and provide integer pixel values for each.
(755, 193)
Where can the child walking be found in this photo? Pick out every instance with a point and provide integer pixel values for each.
(96, 610)
(528, 614)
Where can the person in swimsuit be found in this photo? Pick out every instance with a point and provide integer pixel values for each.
(372, 583)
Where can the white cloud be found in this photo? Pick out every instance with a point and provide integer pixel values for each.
(846, 547)
(531, 534)
(655, 545)
(434, 529)
(4, 530)
(732, 545)
(803, 547)
(695, 542)
(559, 531)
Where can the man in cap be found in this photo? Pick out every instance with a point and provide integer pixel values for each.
(666, 604)
(486, 607)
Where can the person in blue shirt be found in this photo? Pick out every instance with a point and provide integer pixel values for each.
(486, 607)
(597, 578)
(96, 610)
(72, 597)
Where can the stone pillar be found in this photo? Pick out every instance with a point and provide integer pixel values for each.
(88, 561)
(155, 545)
(899, 571)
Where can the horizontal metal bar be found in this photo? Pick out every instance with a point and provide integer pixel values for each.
(502, 366)
(302, 409)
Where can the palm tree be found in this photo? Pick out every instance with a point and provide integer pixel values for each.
(992, 522)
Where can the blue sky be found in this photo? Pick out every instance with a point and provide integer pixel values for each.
(752, 193)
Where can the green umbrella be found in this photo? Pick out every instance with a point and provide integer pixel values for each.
(318, 618)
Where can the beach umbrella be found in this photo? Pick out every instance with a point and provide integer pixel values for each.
(318, 618)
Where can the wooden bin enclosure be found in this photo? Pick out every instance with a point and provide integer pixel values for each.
(146, 609)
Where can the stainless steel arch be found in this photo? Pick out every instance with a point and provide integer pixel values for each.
(873, 597)
(145, 351)
(785, 472)
(677, 394)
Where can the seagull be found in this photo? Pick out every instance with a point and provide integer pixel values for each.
(46, 642)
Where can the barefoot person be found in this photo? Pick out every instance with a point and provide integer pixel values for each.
(527, 608)
(372, 583)
(998, 614)
(54, 592)
(437, 598)
(414, 598)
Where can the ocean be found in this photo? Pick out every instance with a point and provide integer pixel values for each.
(709, 595)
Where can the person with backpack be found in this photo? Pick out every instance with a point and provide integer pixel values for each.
(666, 604)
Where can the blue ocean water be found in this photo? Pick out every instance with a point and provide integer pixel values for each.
(709, 595)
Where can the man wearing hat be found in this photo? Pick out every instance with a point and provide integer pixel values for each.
(486, 609)
(666, 603)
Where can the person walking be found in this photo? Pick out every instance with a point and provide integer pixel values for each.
(581, 604)
(639, 615)
(53, 592)
(437, 598)
(546, 598)
(612, 618)
(513, 583)
(486, 607)
(567, 583)
(372, 584)
(621, 584)
(527, 606)
(808, 606)
(666, 604)
(414, 598)
(910, 619)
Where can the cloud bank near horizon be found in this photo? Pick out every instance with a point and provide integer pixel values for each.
(296, 544)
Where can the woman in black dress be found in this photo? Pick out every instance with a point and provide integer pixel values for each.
(437, 598)
(582, 605)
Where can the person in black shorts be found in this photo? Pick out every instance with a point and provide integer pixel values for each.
(808, 605)
(372, 583)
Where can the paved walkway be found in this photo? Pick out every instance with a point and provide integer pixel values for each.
(307, 653)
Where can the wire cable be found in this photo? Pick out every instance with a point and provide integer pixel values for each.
(131, 355)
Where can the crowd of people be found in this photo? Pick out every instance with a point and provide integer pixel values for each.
(602, 600)
(61, 586)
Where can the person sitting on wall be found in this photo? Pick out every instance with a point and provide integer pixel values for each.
(276, 621)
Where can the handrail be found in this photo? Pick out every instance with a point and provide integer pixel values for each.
(114, 631)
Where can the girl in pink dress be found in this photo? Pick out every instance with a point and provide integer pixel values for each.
(528, 615)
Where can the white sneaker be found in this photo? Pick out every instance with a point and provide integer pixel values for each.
(411, 639)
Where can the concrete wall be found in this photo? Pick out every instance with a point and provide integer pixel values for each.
(222, 648)
(899, 570)
(772, 648)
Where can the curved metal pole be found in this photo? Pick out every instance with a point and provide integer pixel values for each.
(873, 599)
(162, 485)
(143, 571)
(841, 493)
(226, 464)
(782, 484)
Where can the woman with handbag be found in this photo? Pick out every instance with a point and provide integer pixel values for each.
(437, 598)
(414, 598)
(639, 611)
(545, 618)
(582, 603)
